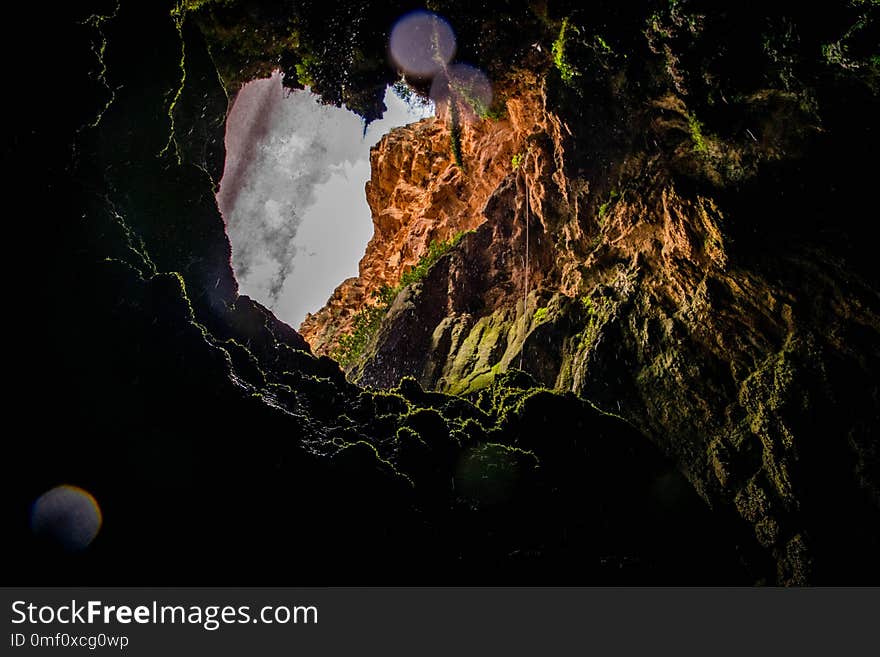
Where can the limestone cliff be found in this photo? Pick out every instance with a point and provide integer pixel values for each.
(418, 194)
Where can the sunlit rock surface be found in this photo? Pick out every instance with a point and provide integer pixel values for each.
(417, 195)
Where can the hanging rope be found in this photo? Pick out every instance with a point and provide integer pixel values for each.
(526, 283)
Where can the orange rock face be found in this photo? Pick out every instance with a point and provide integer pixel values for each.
(418, 194)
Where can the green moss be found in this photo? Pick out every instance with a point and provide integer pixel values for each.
(511, 404)
(180, 285)
(603, 209)
(178, 15)
(185, 6)
(244, 363)
(540, 315)
(480, 380)
(566, 71)
(484, 353)
(414, 455)
(840, 53)
(473, 430)
(388, 403)
(516, 380)
(406, 434)
(517, 160)
(303, 70)
(355, 451)
(432, 427)
(696, 132)
(97, 22)
(603, 45)
(135, 244)
(598, 313)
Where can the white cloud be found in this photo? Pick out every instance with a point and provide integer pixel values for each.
(293, 196)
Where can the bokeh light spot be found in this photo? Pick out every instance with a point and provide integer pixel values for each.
(68, 516)
(422, 44)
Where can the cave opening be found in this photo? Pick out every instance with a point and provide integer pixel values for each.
(215, 444)
(292, 193)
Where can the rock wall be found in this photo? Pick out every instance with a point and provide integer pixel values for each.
(699, 284)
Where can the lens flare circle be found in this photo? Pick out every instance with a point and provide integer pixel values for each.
(421, 44)
(68, 516)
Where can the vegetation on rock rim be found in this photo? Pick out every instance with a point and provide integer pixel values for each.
(352, 346)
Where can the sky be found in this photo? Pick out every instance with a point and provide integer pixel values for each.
(292, 193)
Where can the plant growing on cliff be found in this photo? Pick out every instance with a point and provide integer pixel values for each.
(603, 209)
(696, 132)
(366, 322)
(563, 65)
(853, 50)
(192, 5)
(436, 250)
(364, 326)
(597, 312)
